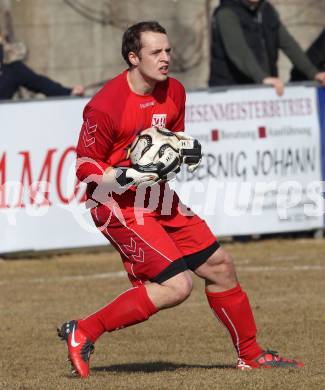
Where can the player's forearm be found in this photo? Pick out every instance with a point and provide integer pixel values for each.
(87, 168)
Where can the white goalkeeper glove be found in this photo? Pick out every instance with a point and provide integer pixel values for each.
(127, 177)
(118, 179)
(164, 169)
(189, 150)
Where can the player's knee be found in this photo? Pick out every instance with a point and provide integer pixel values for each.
(220, 263)
(184, 290)
(180, 288)
(226, 262)
(224, 265)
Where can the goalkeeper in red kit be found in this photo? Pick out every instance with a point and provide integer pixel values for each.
(159, 253)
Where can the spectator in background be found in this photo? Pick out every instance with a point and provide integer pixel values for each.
(246, 38)
(316, 54)
(1, 52)
(15, 74)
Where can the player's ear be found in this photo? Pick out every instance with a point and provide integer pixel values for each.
(133, 58)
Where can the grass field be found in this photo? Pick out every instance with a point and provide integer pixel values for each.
(180, 348)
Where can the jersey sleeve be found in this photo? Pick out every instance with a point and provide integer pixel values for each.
(179, 100)
(94, 145)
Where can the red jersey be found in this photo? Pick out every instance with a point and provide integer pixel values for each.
(150, 245)
(115, 115)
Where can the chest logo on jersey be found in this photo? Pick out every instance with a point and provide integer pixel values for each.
(159, 120)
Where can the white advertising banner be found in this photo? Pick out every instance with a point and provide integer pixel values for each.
(260, 171)
(261, 167)
(40, 206)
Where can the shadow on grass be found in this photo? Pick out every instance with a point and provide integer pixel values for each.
(157, 367)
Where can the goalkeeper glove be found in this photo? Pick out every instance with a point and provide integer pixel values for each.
(117, 180)
(163, 170)
(127, 177)
(189, 150)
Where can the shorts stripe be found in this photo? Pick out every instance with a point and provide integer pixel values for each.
(175, 268)
(105, 231)
(194, 260)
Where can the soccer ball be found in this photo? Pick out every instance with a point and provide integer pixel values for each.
(155, 150)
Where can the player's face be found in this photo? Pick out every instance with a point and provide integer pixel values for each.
(154, 56)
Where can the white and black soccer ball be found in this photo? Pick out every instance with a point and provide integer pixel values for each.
(155, 150)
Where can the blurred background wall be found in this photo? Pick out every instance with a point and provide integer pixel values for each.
(78, 41)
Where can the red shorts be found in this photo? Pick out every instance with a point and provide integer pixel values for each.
(154, 245)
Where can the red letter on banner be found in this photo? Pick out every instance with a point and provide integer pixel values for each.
(68, 198)
(27, 172)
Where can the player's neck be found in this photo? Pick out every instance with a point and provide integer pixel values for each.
(139, 84)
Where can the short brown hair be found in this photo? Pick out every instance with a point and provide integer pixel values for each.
(132, 40)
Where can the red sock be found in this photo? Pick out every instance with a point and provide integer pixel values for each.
(129, 308)
(232, 308)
